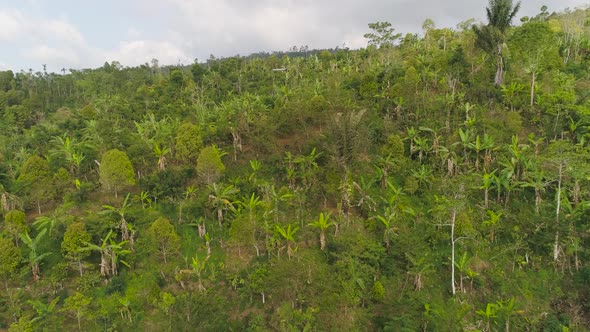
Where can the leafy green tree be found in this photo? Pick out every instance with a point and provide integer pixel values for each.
(116, 171)
(35, 176)
(75, 238)
(210, 168)
(188, 143)
(162, 233)
(535, 47)
(15, 224)
(10, 258)
(78, 305)
(383, 35)
(491, 38)
(258, 281)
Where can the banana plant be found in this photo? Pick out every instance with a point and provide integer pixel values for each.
(323, 223)
(120, 212)
(34, 256)
(288, 234)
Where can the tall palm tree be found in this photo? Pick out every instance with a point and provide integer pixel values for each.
(491, 38)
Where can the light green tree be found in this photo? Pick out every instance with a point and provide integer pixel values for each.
(210, 168)
(35, 177)
(10, 258)
(75, 238)
(383, 35)
(188, 143)
(162, 233)
(15, 224)
(78, 305)
(116, 171)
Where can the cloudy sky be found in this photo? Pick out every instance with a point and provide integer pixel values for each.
(83, 33)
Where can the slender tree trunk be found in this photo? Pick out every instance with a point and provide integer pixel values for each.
(454, 215)
(322, 239)
(80, 267)
(556, 244)
(534, 76)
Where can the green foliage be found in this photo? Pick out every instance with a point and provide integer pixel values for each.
(9, 258)
(390, 188)
(35, 178)
(162, 233)
(15, 224)
(116, 171)
(382, 35)
(188, 143)
(210, 168)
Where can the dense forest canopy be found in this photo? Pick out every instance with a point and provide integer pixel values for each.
(431, 182)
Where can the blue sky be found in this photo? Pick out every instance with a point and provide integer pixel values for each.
(83, 34)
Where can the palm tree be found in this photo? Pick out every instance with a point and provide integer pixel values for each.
(322, 224)
(34, 257)
(491, 38)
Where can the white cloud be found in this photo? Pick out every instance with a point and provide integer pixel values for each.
(132, 53)
(47, 54)
(11, 25)
(61, 30)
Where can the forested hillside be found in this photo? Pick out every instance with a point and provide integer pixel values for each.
(430, 182)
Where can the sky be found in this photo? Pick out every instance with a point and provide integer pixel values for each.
(85, 34)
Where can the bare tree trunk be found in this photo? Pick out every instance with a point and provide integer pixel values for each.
(556, 244)
(454, 215)
(534, 76)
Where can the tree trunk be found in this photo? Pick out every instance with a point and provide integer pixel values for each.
(537, 200)
(534, 76)
(80, 267)
(454, 215)
(499, 79)
(322, 240)
(556, 244)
